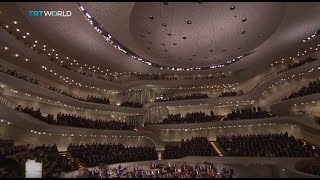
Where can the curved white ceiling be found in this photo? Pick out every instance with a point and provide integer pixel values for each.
(193, 35)
(75, 37)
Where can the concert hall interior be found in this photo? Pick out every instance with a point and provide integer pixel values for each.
(159, 89)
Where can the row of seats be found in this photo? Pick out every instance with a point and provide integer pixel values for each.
(267, 145)
(184, 97)
(131, 104)
(192, 117)
(75, 121)
(297, 64)
(14, 73)
(90, 98)
(196, 146)
(247, 113)
(313, 87)
(95, 154)
(13, 159)
(228, 94)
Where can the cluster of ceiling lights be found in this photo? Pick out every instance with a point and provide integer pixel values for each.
(61, 104)
(16, 55)
(65, 79)
(282, 80)
(108, 37)
(53, 54)
(312, 36)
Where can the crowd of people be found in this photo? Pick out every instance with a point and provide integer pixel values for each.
(184, 97)
(267, 145)
(14, 73)
(247, 113)
(75, 121)
(78, 121)
(53, 163)
(313, 87)
(228, 94)
(95, 154)
(93, 99)
(196, 170)
(297, 64)
(131, 104)
(36, 114)
(192, 117)
(97, 99)
(13, 159)
(196, 146)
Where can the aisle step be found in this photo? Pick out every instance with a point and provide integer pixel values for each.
(216, 148)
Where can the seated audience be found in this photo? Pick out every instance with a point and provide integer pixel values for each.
(300, 63)
(76, 121)
(131, 104)
(247, 113)
(93, 99)
(267, 145)
(312, 88)
(184, 97)
(94, 154)
(36, 114)
(192, 117)
(13, 159)
(14, 73)
(196, 146)
(228, 94)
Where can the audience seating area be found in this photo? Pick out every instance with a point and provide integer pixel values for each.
(131, 104)
(13, 159)
(94, 154)
(313, 87)
(192, 117)
(196, 146)
(204, 170)
(300, 63)
(75, 121)
(247, 113)
(93, 99)
(267, 145)
(184, 97)
(228, 94)
(14, 73)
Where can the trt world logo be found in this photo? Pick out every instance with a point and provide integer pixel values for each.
(50, 13)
